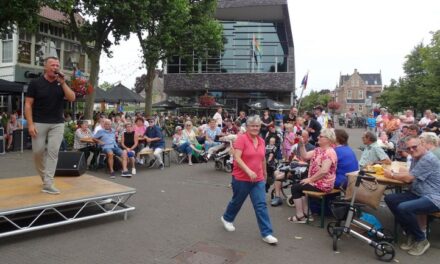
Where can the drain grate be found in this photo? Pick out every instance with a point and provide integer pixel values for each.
(203, 253)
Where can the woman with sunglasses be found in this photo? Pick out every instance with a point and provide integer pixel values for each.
(189, 136)
(322, 173)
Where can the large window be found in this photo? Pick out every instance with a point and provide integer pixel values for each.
(249, 47)
(24, 47)
(348, 94)
(46, 47)
(7, 49)
(72, 56)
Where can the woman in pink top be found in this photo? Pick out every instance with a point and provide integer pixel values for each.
(322, 172)
(248, 179)
(139, 127)
(288, 142)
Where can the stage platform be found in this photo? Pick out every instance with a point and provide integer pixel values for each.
(23, 206)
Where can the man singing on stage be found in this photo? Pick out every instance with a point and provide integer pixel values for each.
(44, 107)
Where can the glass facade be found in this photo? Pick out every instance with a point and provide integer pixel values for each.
(249, 47)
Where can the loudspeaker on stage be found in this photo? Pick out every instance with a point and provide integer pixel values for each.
(71, 163)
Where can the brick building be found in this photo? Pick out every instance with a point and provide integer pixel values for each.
(358, 91)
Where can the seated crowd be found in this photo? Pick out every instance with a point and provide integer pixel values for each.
(309, 138)
(330, 160)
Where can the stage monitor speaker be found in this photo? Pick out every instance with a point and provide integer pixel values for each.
(71, 163)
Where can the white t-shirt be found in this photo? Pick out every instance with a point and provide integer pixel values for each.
(218, 119)
(321, 120)
(424, 121)
(97, 128)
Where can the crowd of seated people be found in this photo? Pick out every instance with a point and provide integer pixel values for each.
(287, 137)
(392, 138)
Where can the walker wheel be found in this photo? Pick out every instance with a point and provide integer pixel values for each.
(385, 251)
(335, 242)
(218, 165)
(228, 168)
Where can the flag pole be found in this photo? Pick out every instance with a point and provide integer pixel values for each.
(303, 85)
(300, 98)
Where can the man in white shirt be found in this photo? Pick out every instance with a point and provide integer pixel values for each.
(426, 119)
(218, 117)
(320, 117)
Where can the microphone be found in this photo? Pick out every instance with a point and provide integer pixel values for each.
(59, 73)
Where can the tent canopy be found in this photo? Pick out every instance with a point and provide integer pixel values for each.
(100, 96)
(268, 104)
(120, 93)
(7, 87)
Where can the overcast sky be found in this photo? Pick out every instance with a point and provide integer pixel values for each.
(330, 37)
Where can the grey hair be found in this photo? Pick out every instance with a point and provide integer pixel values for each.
(329, 133)
(429, 138)
(253, 119)
(371, 136)
(49, 58)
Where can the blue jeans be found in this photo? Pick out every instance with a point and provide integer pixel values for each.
(405, 207)
(257, 192)
(185, 148)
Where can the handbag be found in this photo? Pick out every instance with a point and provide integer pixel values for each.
(368, 192)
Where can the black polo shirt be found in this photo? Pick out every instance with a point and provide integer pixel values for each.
(48, 104)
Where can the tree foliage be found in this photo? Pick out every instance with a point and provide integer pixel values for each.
(314, 99)
(105, 86)
(19, 13)
(99, 19)
(419, 89)
(168, 28)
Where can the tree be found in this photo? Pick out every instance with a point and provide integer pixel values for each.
(419, 89)
(141, 85)
(314, 99)
(105, 86)
(21, 14)
(100, 18)
(174, 28)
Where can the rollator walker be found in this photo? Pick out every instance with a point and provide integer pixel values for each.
(345, 211)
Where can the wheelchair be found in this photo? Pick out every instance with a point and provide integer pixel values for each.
(294, 172)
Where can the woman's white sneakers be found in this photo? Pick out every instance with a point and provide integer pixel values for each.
(231, 228)
(228, 226)
(270, 239)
